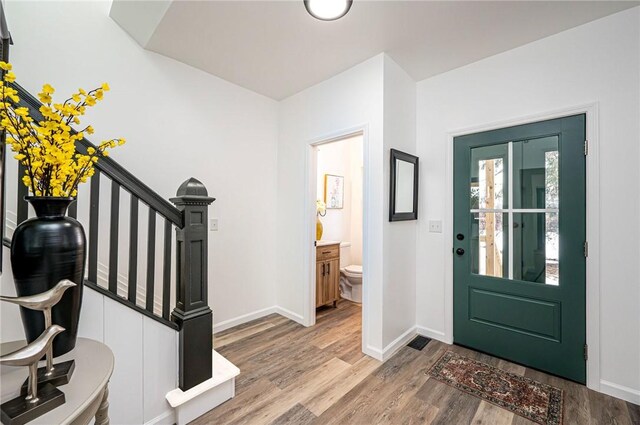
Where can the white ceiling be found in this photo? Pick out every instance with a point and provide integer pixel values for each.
(275, 48)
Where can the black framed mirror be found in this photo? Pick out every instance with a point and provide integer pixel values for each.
(403, 196)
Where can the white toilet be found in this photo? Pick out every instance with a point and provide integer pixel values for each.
(350, 274)
(351, 283)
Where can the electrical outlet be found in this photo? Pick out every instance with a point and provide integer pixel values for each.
(213, 224)
(435, 226)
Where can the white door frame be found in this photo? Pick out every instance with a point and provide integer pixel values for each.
(309, 310)
(593, 225)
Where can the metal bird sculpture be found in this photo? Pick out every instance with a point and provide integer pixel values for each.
(30, 355)
(43, 302)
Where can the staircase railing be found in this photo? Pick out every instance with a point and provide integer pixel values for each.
(191, 315)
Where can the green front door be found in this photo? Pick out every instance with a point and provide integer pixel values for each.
(519, 244)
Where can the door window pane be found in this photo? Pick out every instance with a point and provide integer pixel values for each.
(489, 244)
(535, 173)
(552, 179)
(536, 247)
(489, 177)
(514, 188)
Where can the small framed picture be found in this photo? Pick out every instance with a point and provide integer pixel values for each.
(333, 191)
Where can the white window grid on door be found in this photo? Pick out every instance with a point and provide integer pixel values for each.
(510, 210)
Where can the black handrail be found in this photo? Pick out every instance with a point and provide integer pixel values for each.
(111, 168)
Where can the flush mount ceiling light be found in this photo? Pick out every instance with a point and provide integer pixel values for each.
(328, 10)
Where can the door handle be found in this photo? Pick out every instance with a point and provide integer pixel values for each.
(322, 269)
(329, 268)
(460, 251)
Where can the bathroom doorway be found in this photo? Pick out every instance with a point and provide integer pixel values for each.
(336, 177)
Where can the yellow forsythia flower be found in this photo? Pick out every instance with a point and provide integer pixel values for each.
(44, 98)
(22, 112)
(48, 89)
(47, 148)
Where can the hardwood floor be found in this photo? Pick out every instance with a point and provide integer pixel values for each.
(318, 375)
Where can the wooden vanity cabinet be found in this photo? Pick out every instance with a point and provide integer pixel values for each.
(327, 274)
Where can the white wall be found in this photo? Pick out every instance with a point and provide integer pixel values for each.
(179, 122)
(377, 94)
(352, 99)
(343, 158)
(10, 324)
(597, 62)
(146, 365)
(399, 237)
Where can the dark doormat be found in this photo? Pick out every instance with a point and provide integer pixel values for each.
(538, 402)
(419, 342)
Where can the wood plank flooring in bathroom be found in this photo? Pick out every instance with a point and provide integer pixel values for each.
(296, 375)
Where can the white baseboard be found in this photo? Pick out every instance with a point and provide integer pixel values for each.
(289, 314)
(373, 352)
(226, 324)
(166, 418)
(433, 334)
(399, 342)
(230, 323)
(387, 352)
(620, 391)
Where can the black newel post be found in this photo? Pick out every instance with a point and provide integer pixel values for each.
(192, 313)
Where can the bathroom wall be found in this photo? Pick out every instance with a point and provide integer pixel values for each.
(343, 158)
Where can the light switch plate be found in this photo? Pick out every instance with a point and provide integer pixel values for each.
(213, 224)
(435, 226)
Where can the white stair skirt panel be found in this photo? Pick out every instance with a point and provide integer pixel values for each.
(207, 395)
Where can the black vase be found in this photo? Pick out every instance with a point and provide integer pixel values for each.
(45, 250)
